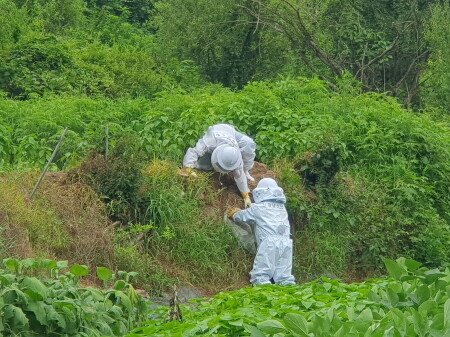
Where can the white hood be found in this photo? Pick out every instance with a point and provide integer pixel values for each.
(268, 190)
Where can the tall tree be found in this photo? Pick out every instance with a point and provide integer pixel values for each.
(436, 79)
(381, 43)
(219, 36)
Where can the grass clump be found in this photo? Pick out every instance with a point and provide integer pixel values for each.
(63, 221)
(193, 244)
(161, 229)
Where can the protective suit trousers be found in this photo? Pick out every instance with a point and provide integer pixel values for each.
(273, 261)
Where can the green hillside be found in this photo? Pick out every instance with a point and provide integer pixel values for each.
(347, 103)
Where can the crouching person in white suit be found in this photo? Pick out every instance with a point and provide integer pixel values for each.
(224, 150)
(273, 261)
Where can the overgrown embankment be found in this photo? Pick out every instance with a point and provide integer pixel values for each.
(365, 178)
(175, 234)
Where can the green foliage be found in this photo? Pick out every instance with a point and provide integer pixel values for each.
(134, 256)
(116, 178)
(222, 39)
(12, 25)
(414, 301)
(135, 48)
(37, 66)
(50, 65)
(53, 16)
(435, 78)
(368, 170)
(57, 305)
(135, 11)
(60, 47)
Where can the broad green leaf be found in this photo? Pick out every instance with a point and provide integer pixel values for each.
(104, 328)
(307, 304)
(125, 300)
(438, 321)
(343, 331)
(295, 322)
(71, 320)
(15, 315)
(412, 264)
(11, 264)
(421, 294)
(7, 279)
(433, 275)
(254, 331)
(392, 296)
(104, 274)
(427, 307)
(366, 315)
(13, 296)
(394, 268)
(79, 270)
(399, 318)
(270, 326)
(121, 329)
(48, 263)
(62, 264)
(116, 311)
(35, 286)
(364, 320)
(120, 284)
(38, 308)
(238, 322)
(96, 294)
(447, 314)
(132, 275)
(418, 321)
(29, 262)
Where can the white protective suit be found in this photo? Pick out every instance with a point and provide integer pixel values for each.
(273, 259)
(199, 157)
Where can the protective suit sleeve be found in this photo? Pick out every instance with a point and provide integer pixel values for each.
(193, 153)
(241, 180)
(247, 147)
(245, 215)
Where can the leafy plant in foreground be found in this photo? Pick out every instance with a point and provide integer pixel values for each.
(57, 305)
(413, 301)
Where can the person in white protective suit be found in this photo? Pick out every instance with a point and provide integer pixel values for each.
(223, 149)
(273, 261)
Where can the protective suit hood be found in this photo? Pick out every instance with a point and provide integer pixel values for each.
(268, 190)
(226, 158)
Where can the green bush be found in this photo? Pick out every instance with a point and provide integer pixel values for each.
(57, 305)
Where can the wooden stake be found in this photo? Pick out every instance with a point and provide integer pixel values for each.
(107, 141)
(48, 164)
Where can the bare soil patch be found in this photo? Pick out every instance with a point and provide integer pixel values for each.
(229, 195)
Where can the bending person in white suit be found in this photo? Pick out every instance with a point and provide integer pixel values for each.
(223, 149)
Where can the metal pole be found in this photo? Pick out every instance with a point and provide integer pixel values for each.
(48, 164)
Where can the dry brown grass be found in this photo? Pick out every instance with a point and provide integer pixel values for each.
(65, 220)
(83, 216)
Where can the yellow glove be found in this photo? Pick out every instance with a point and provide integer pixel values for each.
(231, 212)
(247, 200)
(191, 172)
